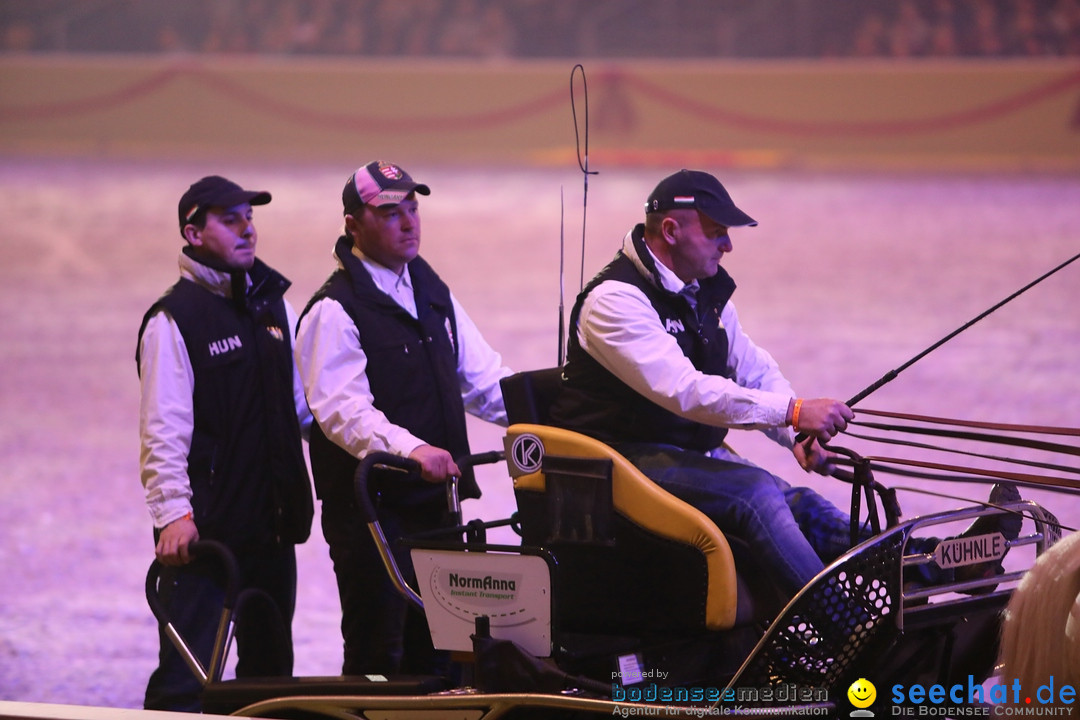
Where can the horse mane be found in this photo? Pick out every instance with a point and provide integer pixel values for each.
(1040, 636)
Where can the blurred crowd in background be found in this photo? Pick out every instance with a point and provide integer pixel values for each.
(548, 28)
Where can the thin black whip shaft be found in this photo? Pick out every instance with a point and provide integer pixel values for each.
(891, 375)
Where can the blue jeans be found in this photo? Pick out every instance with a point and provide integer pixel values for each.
(794, 531)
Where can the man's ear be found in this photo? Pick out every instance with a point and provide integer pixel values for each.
(352, 226)
(669, 230)
(192, 234)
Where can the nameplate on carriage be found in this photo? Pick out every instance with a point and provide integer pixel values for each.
(512, 590)
(959, 551)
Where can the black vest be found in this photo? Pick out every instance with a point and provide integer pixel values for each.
(412, 371)
(246, 464)
(595, 402)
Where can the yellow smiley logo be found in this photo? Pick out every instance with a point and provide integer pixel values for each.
(862, 693)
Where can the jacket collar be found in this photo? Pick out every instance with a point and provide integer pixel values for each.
(659, 275)
(261, 281)
(361, 271)
(217, 281)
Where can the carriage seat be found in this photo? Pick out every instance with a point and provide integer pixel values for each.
(625, 542)
(671, 562)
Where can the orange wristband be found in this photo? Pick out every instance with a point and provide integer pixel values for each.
(795, 414)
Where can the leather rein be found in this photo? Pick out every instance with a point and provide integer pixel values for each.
(1062, 477)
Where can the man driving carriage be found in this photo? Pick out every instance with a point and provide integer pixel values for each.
(659, 367)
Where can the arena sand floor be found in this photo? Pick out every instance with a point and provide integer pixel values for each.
(848, 276)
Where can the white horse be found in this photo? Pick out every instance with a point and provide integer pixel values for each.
(1040, 636)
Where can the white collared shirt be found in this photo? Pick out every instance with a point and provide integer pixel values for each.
(333, 368)
(398, 287)
(620, 329)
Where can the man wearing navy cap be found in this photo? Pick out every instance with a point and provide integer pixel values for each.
(221, 421)
(659, 367)
(390, 362)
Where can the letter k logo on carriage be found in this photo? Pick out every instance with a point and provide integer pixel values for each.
(527, 453)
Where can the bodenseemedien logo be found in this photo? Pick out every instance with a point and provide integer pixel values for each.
(862, 695)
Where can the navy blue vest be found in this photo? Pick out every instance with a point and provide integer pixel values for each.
(595, 402)
(246, 464)
(412, 371)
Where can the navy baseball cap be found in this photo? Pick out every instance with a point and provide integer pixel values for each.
(216, 191)
(693, 189)
(378, 183)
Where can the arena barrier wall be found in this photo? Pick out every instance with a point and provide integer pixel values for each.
(942, 115)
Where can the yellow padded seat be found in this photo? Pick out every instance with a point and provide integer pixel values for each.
(646, 504)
